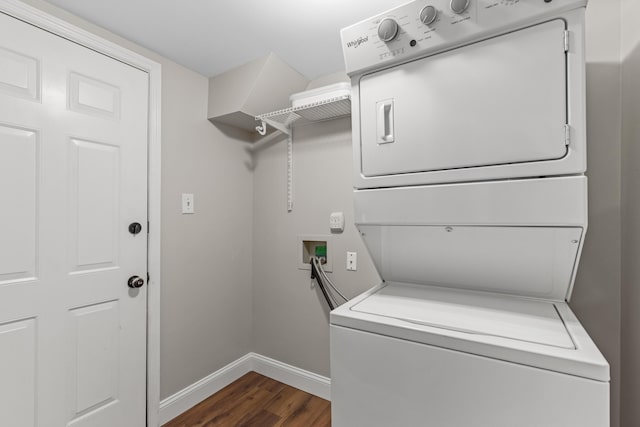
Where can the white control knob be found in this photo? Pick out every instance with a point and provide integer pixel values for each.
(459, 6)
(388, 29)
(428, 14)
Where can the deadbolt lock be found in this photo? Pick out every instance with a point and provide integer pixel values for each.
(135, 228)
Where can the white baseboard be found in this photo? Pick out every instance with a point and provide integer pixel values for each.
(290, 375)
(190, 396)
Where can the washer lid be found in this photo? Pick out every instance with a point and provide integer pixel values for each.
(528, 320)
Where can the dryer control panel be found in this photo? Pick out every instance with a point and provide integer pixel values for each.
(424, 27)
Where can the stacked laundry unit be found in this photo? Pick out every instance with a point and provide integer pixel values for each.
(469, 159)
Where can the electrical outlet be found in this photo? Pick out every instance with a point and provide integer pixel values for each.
(352, 261)
(336, 222)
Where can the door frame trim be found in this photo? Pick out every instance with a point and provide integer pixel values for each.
(57, 26)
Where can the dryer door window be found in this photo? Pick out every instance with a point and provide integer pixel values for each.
(496, 102)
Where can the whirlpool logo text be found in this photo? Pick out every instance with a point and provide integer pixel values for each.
(358, 41)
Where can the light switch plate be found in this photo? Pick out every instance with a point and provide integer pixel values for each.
(187, 203)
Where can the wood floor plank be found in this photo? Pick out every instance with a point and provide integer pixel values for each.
(247, 406)
(287, 401)
(222, 399)
(324, 419)
(270, 384)
(307, 413)
(257, 401)
(262, 418)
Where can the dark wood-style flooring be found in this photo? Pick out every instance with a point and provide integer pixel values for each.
(257, 401)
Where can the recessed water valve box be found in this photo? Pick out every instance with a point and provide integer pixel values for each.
(315, 245)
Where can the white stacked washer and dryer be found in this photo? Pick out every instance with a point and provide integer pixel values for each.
(470, 195)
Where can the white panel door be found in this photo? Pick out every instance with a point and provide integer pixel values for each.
(73, 176)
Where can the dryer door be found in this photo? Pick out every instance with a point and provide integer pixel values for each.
(496, 102)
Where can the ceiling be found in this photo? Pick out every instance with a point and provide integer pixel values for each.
(213, 36)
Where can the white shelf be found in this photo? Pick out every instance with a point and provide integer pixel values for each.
(326, 109)
(315, 110)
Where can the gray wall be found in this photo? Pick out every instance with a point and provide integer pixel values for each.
(290, 318)
(630, 410)
(596, 298)
(206, 257)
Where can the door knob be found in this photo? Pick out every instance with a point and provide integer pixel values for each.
(135, 282)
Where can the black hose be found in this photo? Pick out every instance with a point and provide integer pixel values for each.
(315, 275)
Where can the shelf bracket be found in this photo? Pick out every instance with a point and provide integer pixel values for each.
(262, 128)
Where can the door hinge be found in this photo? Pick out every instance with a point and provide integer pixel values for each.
(567, 135)
(147, 227)
(566, 40)
(148, 278)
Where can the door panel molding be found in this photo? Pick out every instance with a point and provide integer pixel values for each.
(85, 38)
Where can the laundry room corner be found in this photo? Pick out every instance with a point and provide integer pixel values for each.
(597, 296)
(630, 345)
